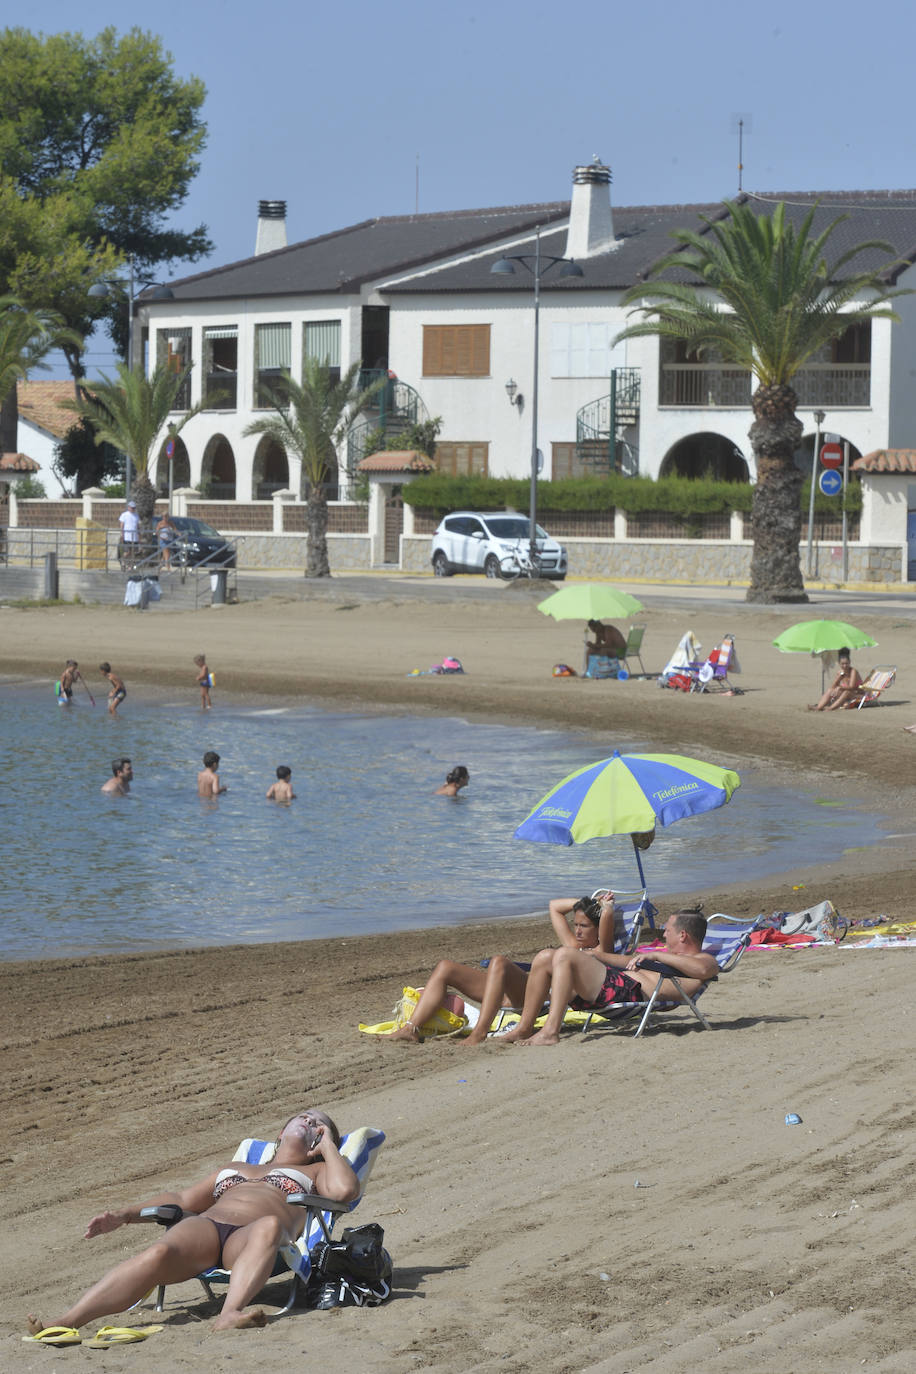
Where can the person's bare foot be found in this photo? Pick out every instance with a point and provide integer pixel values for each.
(511, 1037)
(543, 1037)
(406, 1032)
(240, 1321)
(35, 1325)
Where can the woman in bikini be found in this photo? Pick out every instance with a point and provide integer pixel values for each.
(577, 925)
(844, 689)
(243, 1218)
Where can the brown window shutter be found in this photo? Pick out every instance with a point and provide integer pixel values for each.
(456, 350)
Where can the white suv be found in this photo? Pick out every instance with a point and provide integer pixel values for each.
(478, 541)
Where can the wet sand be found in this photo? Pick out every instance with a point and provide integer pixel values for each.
(506, 1188)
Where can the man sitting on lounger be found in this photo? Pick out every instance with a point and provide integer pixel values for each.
(589, 980)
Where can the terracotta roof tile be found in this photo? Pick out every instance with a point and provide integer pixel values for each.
(40, 403)
(397, 460)
(18, 462)
(887, 460)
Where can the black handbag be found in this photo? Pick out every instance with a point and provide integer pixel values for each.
(355, 1271)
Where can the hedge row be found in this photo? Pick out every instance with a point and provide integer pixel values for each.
(634, 495)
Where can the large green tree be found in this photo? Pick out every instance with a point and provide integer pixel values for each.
(99, 143)
(759, 292)
(311, 424)
(130, 413)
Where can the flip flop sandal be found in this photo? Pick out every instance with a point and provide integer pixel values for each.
(107, 1336)
(56, 1335)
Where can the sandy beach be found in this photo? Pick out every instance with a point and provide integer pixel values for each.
(507, 1184)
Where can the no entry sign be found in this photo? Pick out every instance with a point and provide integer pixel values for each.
(831, 455)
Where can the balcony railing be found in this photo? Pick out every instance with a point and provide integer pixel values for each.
(831, 385)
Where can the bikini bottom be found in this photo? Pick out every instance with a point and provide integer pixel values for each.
(224, 1230)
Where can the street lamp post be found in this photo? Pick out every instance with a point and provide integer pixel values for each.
(819, 418)
(532, 262)
(100, 290)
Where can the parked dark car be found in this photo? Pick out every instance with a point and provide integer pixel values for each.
(198, 542)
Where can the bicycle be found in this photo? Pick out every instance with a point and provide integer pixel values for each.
(520, 562)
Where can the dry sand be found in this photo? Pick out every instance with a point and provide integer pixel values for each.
(507, 1186)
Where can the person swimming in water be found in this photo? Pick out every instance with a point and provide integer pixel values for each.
(459, 777)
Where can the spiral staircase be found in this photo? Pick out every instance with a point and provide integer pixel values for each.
(395, 407)
(603, 444)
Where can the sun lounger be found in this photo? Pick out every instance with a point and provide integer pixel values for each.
(878, 681)
(726, 939)
(359, 1147)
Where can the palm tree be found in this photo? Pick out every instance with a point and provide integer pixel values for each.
(310, 421)
(783, 301)
(130, 413)
(26, 336)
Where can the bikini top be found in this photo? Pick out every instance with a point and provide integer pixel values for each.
(287, 1180)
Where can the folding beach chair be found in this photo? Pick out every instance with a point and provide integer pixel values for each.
(359, 1147)
(632, 648)
(714, 672)
(878, 681)
(726, 943)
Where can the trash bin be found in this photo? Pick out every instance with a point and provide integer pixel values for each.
(218, 581)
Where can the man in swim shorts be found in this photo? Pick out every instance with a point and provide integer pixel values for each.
(119, 784)
(590, 980)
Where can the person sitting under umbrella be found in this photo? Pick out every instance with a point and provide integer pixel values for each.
(844, 689)
(589, 980)
(607, 640)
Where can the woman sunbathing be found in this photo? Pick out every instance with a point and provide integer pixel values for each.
(844, 690)
(243, 1218)
(594, 979)
(503, 982)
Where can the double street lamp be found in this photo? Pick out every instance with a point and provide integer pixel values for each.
(538, 265)
(101, 290)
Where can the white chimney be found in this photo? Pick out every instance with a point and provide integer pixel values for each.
(591, 225)
(271, 226)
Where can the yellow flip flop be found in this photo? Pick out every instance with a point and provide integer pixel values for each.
(107, 1336)
(56, 1335)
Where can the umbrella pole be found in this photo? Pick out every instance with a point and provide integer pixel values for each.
(642, 876)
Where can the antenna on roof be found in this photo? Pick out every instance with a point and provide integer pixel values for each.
(741, 124)
(416, 198)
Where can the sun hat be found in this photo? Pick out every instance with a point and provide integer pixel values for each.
(132, 505)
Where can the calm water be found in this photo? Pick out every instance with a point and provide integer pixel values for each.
(365, 848)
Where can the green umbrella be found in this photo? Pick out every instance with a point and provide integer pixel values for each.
(590, 601)
(822, 637)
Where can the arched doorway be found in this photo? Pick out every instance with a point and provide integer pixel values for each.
(705, 455)
(217, 473)
(270, 470)
(181, 468)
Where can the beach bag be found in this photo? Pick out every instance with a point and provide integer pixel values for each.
(563, 670)
(355, 1271)
(682, 682)
(601, 665)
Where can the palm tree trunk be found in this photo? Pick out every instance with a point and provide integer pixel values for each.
(316, 514)
(776, 574)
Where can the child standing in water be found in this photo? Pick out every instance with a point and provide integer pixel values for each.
(118, 690)
(282, 789)
(67, 678)
(204, 681)
(208, 784)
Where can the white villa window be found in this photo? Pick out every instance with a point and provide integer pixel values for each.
(272, 357)
(583, 349)
(221, 367)
(321, 341)
(173, 350)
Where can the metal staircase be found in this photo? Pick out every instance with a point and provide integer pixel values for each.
(394, 408)
(601, 445)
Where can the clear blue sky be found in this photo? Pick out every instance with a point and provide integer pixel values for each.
(329, 108)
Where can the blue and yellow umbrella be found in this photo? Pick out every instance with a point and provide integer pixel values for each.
(627, 794)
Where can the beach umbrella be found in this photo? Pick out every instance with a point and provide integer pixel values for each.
(590, 601)
(627, 794)
(819, 637)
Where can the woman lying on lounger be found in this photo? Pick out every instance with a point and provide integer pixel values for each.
(243, 1219)
(594, 980)
(503, 982)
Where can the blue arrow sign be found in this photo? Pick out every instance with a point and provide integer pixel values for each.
(830, 482)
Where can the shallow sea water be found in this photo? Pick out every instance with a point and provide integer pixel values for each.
(365, 848)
